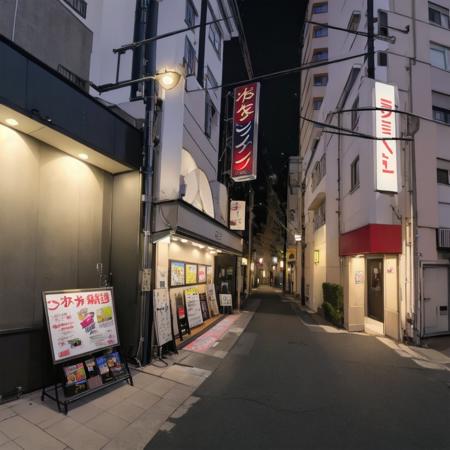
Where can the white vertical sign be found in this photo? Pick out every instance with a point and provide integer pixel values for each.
(237, 215)
(385, 128)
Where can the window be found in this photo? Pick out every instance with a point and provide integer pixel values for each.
(441, 114)
(320, 8)
(319, 171)
(319, 216)
(383, 29)
(442, 176)
(353, 23)
(215, 37)
(210, 114)
(317, 103)
(382, 59)
(354, 174)
(355, 113)
(189, 58)
(439, 56)
(319, 31)
(438, 15)
(80, 6)
(75, 79)
(191, 13)
(321, 79)
(320, 54)
(210, 80)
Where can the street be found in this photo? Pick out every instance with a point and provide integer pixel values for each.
(290, 383)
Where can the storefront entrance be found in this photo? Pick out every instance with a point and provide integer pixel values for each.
(375, 297)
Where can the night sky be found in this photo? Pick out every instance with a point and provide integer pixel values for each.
(273, 31)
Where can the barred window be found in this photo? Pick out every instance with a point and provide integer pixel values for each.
(80, 6)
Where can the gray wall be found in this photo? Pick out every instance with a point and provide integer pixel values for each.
(125, 256)
(50, 32)
(55, 223)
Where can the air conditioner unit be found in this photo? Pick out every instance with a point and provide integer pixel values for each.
(443, 237)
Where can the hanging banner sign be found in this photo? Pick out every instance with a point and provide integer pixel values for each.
(162, 315)
(385, 127)
(80, 322)
(237, 215)
(245, 132)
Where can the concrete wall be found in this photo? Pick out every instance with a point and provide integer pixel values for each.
(49, 31)
(56, 222)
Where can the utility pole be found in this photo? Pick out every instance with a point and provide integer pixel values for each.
(370, 41)
(145, 344)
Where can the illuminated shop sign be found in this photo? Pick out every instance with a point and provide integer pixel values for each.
(245, 132)
(385, 127)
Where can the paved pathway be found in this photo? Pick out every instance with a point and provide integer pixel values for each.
(290, 383)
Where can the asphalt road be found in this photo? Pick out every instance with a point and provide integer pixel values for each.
(287, 384)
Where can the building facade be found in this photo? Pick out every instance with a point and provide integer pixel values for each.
(384, 242)
(78, 198)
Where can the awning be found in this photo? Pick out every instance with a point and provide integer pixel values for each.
(184, 220)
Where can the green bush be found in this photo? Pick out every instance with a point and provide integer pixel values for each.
(334, 295)
(333, 303)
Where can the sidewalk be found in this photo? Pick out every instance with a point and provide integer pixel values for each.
(125, 417)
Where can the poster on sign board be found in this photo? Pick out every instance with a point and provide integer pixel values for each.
(386, 129)
(225, 300)
(201, 273)
(237, 215)
(209, 274)
(80, 322)
(191, 273)
(162, 315)
(245, 132)
(193, 307)
(212, 299)
(177, 273)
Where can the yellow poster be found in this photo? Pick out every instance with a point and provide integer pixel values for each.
(191, 273)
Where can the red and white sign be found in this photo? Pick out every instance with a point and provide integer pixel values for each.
(245, 132)
(385, 127)
(80, 322)
(237, 215)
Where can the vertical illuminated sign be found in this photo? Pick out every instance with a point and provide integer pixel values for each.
(245, 132)
(385, 128)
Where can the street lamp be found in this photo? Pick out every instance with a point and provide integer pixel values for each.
(168, 79)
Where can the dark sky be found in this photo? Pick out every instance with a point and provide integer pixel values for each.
(272, 28)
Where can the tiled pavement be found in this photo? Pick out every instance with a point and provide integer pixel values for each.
(124, 417)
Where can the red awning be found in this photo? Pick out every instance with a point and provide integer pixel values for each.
(372, 238)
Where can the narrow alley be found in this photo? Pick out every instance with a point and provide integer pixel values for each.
(289, 382)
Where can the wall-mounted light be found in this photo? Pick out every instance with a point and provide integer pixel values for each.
(184, 241)
(83, 156)
(11, 122)
(260, 260)
(316, 256)
(298, 237)
(275, 260)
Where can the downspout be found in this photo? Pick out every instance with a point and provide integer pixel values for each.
(416, 317)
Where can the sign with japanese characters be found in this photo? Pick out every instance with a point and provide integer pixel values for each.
(191, 273)
(237, 215)
(212, 299)
(162, 315)
(80, 322)
(201, 273)
(385, 128)
(193, 307)
(225, 300)
(245, 132)
(177, 273)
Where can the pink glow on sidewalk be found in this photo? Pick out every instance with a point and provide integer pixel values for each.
(207, 340)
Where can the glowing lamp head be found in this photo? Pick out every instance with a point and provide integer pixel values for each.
(83, 156)
(168, 80)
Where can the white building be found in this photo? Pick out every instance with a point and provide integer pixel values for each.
(389, 250)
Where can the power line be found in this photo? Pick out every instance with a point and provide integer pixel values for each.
(284, 72)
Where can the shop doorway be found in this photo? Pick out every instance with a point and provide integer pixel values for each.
(375, 291)
(435, 300)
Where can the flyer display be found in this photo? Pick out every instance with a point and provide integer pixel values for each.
(193, 307)
(225, 300)
(191, 273)
(80, 322)
(209, 274)
(201, 273)
(212, 299)
(162, 314)
(176, 273)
